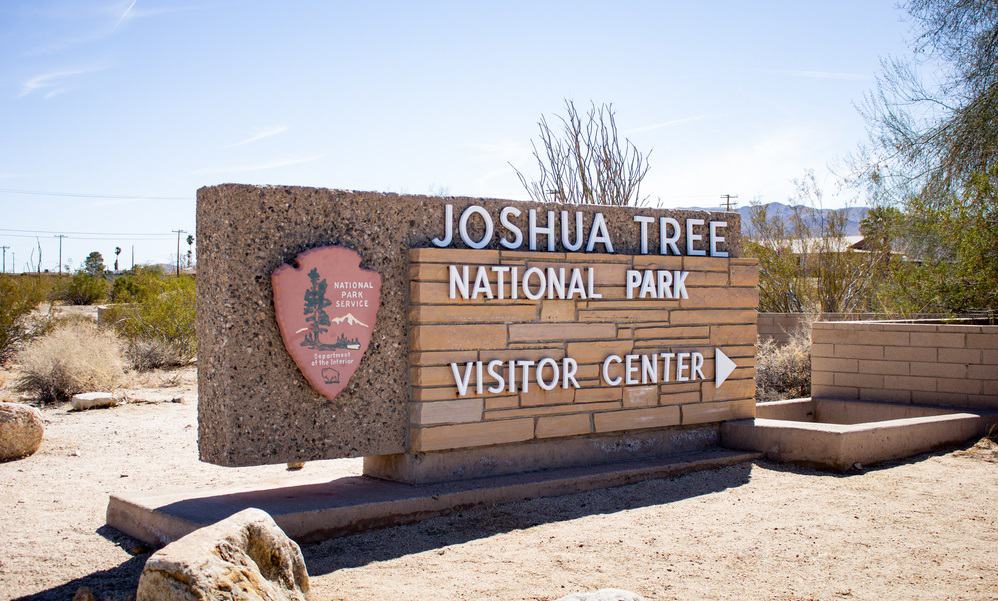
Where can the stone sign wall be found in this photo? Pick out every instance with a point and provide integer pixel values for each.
(720, 311)
(416, 388)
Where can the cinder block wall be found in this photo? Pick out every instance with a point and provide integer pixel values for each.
(720, 311)
(937, 364)
(779, 326)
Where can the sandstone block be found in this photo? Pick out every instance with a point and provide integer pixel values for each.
(705, 264)
(595, 352)
(448, 337)
(744, 335)
(93, 400)
(632, 419)
(713, 316)
(701, 413)
(640, 396)
(21, 430)
(481, 434)
(453, 255)
(594, 395)
(563, 425)
(245, 556)
(556, 332)
(471, 313)
(744, 275)
(447, 412)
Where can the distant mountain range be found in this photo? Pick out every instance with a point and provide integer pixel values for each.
(778, 210)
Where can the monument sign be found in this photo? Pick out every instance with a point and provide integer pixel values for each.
(444, 338)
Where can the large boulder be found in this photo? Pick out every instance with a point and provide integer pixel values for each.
(246, 556)
(21, 430)
(604, 594)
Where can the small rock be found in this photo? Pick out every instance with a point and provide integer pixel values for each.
(246, 552)
(21, 430)
(605, 594)
(294, 466)
(857, 466)
(93, 400)
(83, 594)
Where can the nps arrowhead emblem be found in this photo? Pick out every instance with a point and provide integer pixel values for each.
(325, 308)
(723, 366)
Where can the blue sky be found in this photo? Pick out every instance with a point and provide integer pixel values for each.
(155, 99)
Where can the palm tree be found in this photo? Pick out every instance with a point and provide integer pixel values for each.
(190, 250)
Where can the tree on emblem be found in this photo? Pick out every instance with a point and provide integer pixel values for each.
(315, 310)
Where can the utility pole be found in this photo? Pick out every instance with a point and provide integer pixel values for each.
(133, 257)
(727, 201)
(178, 232)
(3, 268)
(60, 237)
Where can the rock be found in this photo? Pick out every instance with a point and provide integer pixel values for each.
(93, 400)
(245, 556)
(294, 466)
(605, 594)
(21, 430)
(83, 594)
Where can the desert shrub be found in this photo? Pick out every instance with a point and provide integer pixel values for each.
(784, 371)
(85, 289)
(74, 357)
(19, 295)
(159, 330)
(140, 284)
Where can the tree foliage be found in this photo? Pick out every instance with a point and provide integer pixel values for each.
(315, 310)
(934, 156)
(585, 162)
(94, 264)
(931, 137)
(806, 265)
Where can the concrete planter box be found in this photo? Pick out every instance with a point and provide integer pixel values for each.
(837, 435)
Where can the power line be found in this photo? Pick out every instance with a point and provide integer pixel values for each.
(86, 195)
(87, 233)
(104, 238)
(727, 201)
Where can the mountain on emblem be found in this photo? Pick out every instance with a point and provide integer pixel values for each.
(350, 319)
(326, 309)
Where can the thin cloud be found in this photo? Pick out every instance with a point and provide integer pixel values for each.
(125, 13)
(836, 75)
(664, 124)
(276, 164)
(260, 135)
(110, 19)
(53, 79)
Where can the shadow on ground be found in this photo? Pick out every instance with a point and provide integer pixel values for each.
(115, 583)
(484, 521)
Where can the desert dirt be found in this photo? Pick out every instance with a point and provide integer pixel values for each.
(922, 529)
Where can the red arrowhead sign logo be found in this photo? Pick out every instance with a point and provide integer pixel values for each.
(326, 308)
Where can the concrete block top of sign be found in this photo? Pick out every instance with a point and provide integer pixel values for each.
(255, 406)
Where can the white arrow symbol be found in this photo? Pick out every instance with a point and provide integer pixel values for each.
(723, 366)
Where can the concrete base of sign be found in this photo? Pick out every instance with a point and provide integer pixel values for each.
(462, 464)
(838, 435)
(313, 512)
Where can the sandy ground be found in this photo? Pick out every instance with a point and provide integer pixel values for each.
(925, 529)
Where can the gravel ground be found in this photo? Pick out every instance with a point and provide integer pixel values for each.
(924, 529)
